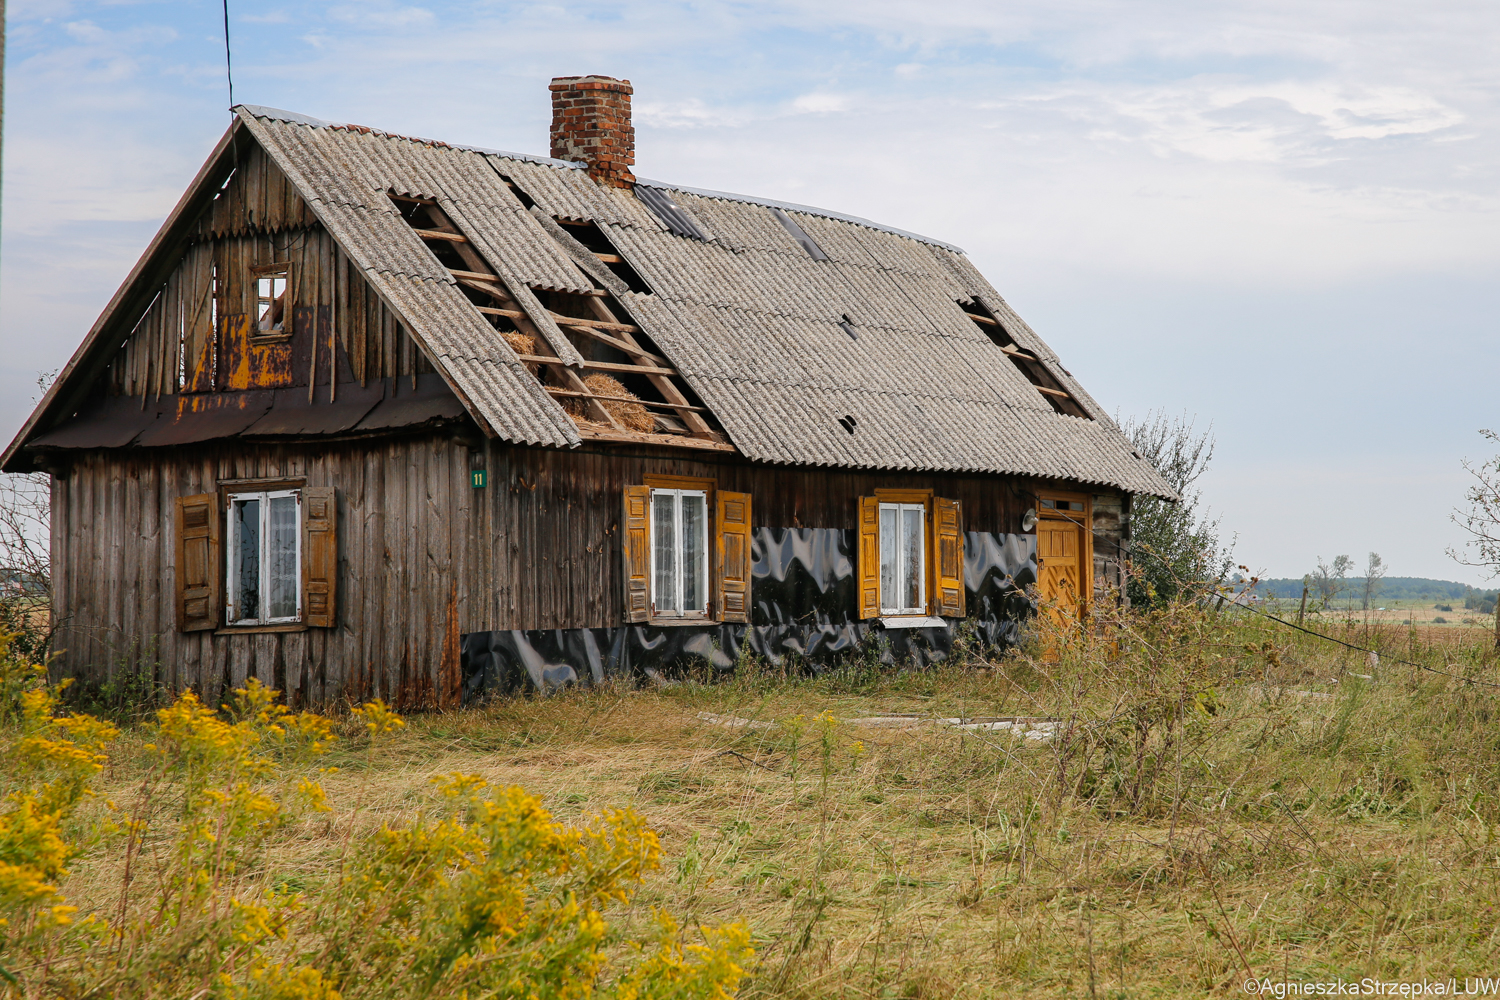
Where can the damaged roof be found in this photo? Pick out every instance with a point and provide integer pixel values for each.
(865, 355)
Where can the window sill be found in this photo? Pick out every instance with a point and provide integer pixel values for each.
(252, 629)
(911, 621)
(670, 622)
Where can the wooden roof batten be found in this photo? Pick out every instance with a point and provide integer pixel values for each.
(480, 276)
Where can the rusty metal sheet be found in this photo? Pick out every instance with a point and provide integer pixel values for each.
(112, 422)
(405, 406)
(292, 414)
(203, 418)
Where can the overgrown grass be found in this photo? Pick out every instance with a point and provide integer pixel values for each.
(1220, 798)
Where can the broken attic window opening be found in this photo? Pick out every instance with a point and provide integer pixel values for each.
(800, 235)
(1059, 398)
(848, 326)
(848, 423)
(599, 244)
(662, 205)
(271, 284)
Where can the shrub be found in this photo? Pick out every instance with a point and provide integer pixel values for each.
(481, 894)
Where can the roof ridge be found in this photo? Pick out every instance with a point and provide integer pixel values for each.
(277, 114)
(293, 117)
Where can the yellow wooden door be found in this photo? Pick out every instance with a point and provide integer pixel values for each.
(1060, 569)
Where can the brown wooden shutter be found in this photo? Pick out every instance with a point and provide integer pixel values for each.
(320, 556)
(869, 557)
(734, 557)
(948, 541)
(199, 573)
(637, 549)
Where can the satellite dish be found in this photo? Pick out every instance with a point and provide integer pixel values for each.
(1028, 521)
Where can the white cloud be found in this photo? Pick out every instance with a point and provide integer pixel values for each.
(820, 104)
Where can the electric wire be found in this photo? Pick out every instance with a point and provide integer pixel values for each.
(228, 62)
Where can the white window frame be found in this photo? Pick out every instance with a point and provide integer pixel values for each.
(886, 505)
(271, 275)
(232, 568)
(679, 548)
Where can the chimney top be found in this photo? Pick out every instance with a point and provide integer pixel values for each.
(591, 125)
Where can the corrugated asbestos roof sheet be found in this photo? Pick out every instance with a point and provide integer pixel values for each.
(746, 315)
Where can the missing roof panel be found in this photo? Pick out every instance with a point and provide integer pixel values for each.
(1059, 398)
(598, 242)
(661, 204)
(800, 235)
(525, 199)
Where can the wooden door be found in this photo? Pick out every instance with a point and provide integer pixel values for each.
(1064, 558)
(1059, 551)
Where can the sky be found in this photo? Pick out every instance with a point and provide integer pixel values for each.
(1276, 219)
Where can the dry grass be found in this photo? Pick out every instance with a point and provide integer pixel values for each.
(632, 415)
(1221, 798)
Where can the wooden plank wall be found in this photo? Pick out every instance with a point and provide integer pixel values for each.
(402, 568)
(257, 219)
(423, 557)
(377, 344)
(548, 512)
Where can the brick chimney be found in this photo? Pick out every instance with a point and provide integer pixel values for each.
(591, 125)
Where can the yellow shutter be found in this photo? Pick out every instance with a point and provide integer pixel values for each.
(869, 557)
(948, 538)
(734, 556)
(199, 573)
(320, 556)
(637, 550)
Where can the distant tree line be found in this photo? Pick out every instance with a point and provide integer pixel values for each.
(1392, 588)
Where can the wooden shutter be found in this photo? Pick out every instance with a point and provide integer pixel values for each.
(637, 553)
(199, 572)
(734, 557)
(948, 542)
(869, 557)
(320, 556)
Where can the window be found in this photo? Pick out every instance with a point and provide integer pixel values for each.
(257, 554)
(265, 558)
(911, 556)
(903, 588)
(271, 313)
(687, 551)
(679, 553)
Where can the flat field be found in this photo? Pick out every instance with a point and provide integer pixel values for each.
(1177, 804)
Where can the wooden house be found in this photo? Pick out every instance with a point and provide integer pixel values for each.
(383, 416)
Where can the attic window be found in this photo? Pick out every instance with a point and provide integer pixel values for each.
(1029, 365)
(678, 222)
(271, 314)
(800, 235)
(591, 236)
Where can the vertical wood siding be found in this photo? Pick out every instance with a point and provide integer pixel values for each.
(257, 219)
(423, 557)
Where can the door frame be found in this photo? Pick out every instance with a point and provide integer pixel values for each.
(1085, 521)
